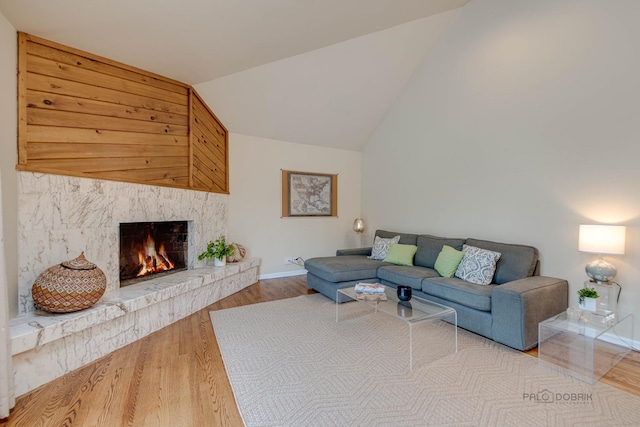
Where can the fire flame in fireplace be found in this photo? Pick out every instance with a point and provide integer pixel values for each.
(152, 261)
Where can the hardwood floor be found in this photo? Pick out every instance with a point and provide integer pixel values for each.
(176, 377)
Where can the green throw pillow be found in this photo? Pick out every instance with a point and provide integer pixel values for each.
(448, 261)
(401, 254)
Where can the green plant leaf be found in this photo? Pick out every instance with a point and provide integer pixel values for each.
(217, 249)
(586, 293)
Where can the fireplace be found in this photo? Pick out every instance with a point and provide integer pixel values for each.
(149, 249)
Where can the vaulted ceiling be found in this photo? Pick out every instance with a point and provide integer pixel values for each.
(306, 71)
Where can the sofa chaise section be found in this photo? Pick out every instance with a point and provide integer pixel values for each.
(328, 274)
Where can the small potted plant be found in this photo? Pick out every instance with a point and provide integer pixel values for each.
(589, 299)
(219, 250)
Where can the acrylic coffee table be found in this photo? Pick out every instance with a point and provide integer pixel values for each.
(417, 310)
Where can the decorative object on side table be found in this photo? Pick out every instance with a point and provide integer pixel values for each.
(404, 293)
(217, 250)
(609, 293)
(70, 286)
(589, 299)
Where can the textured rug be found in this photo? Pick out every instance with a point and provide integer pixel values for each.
(291, 364)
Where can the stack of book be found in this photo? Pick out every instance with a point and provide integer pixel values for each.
(370, 292)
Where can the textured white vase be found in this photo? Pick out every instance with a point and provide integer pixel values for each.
(590, 304)
(220, 262)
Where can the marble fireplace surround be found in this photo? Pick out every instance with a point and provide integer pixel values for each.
(58, 218)
(61, 216)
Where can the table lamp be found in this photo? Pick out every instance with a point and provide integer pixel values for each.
(602, 239)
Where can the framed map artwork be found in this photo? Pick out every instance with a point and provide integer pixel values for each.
(307, 194)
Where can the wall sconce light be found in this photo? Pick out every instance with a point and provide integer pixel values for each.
(358, 225)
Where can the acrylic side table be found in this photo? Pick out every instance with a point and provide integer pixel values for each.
(585, 346)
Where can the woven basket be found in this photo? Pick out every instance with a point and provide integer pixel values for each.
(71, 286)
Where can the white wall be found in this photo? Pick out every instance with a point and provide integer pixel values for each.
(255, 203)
(520, 125)
(332, 97)
(9, 155)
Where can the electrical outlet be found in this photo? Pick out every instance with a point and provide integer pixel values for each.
(295, 260)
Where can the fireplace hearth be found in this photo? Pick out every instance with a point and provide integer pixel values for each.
(150, 249)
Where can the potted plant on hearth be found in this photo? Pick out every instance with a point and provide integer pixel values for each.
(219, 250)
(589, 299)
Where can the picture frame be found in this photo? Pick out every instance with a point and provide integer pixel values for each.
(307, 194)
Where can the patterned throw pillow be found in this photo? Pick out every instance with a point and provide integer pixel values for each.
(478, 265)
(381, 246)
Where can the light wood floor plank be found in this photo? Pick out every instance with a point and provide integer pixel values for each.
(176, 377)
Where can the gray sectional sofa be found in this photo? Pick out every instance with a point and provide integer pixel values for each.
(507, 311)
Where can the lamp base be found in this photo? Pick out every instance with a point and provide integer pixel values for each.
(608, 294)
(601, 271)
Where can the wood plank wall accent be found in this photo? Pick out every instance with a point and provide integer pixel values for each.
(83, 115)
(209, 147)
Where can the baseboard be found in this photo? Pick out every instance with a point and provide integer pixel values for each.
(617, 340)
(282, 274)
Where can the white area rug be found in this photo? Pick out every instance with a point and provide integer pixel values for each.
(290, 364)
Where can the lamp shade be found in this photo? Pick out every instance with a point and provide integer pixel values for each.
(358, 225)
(602, 239)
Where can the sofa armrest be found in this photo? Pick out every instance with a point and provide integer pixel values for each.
(517, 307)
(357, 251)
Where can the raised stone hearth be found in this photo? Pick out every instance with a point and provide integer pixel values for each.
(46, 346)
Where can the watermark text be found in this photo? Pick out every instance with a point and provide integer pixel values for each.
(547, 396)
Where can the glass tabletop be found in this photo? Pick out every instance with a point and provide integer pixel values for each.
(584, 322)
(414, 310)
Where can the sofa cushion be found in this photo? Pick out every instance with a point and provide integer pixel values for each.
(516, 261)
(459, 291)
(401, 254)
(448, 261)
(343, 268)
(478, 265)
(429, 248)
(405, 239)
(381, 246)
(405, 275)
(329, 289)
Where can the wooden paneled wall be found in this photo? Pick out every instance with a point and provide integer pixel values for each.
(83, 115)
(209, 145)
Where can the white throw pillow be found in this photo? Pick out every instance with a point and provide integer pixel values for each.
(381, 247)
(478, 265)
